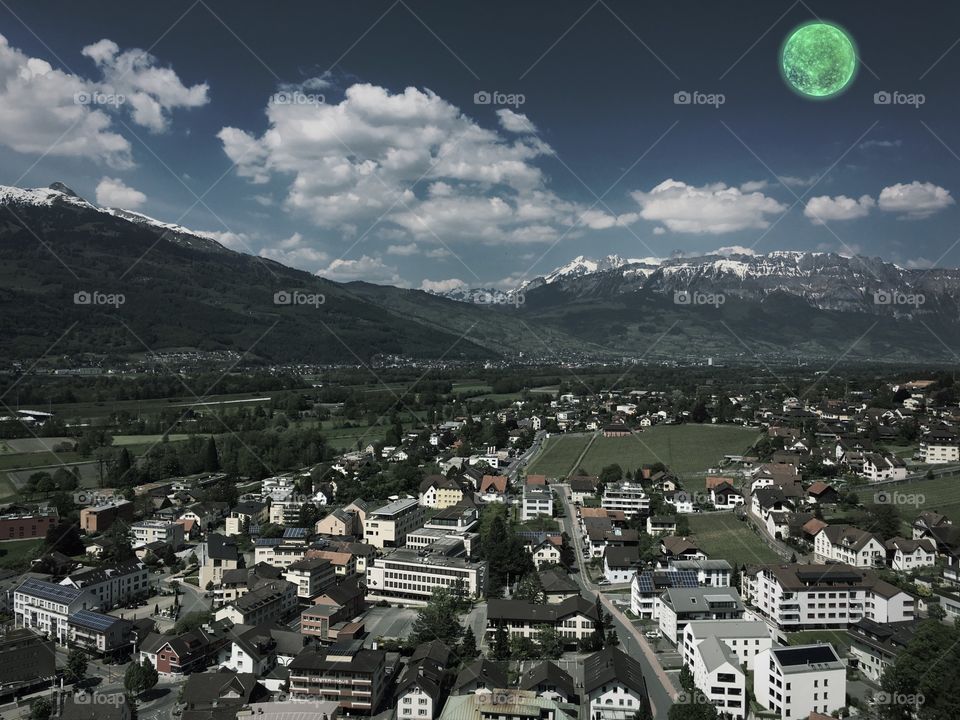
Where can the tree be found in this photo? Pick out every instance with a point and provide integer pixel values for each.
(439, 619)
(611, 474)
(76, 665)
(501, 644)
(139, 677)
(697, 707)
(41, 709)
(683, 525)
(686, 679)
(928, 668)
(468, 645)
(211, 459)
(531, 589)
(884, 520)
(64, 537)
(549, 642)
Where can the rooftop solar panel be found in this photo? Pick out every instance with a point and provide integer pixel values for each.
(92, 620)
(49, 591)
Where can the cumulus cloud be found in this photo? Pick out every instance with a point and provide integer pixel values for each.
(794, 181)
(113, 192)
(824, 208)
(410, 161)
(442, 286)
(709, 209)
(515, 122)
(44, 110)
(366, 268)
(150, 92)
(915, 200)
(240, 242)
(295, 251)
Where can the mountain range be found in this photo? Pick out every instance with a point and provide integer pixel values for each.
(182, 289)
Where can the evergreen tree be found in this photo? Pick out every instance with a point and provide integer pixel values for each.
(76, 665)
(501, 644)
(211, 459)
(468, 645)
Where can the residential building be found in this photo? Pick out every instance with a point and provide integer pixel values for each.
(939, 446)
(549, 681)
(46, 606)
(718, 675)
(878, 467)
(505, 703)
(647, 586)
(151, 531)
(710, 573)
(99, 634)
(18, 525)
(537, 500)
(796, 681)
(626, 497)
(28, 659)
(874, 647)
(422, 687)
(410, 577)
(620, 563)
(268, 602)
(478, 676)
(186, 653)
(219, 555)
(574, 618)
(582, 487)
(661, 524)
(678, 606)
(387, 526)
(798, 597)
(113, 585)
(744, 638)
(614, 685)
(346, 673)
(245, 514)
(340, 522)
(850, 545)
(97, 518)
(311, 576)
(439, 492)
(906, 555)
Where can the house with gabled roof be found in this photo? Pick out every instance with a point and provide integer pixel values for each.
(548, 680)
(614, 685)
(849, 544)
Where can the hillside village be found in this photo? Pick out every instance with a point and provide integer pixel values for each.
(459, 569)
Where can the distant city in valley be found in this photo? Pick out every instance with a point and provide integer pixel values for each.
(467, 361)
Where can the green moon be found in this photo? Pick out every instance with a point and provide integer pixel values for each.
(818, 60)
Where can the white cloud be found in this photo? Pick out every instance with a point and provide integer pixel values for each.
(113, 192)
(410, 161)
(295, 251)
(442, 286)
(515, 122)
(366, 268)
(44, 110)
(794, 181)
(824, 208)
(754, 185)
(712, 209)
(439, 252)
(729, 250)
(885, 144)
(915, 200)
(264, 200)
(150, 92)
(403, 250)
(240, 242)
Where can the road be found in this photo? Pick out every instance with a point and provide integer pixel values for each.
(662, 690)
(521, 462)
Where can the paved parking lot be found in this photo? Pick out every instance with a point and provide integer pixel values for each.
(390, 622)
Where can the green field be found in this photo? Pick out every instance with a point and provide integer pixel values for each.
(941, 494)
(685, 449)
(838, 638)
(147, 440)
(19, 552)
(723, 537)
(558, 455)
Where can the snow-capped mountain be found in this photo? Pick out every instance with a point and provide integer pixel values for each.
(48, 205)
(582, 265)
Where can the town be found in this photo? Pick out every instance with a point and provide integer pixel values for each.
(731, 546)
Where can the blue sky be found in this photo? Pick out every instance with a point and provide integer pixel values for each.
(347, 138)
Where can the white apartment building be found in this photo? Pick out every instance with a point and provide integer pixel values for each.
(718, 675)
(678, 606)
(850, 545)
(799, 597)
(628, 497)
(939, 446)
(410, 577)
(311, 576)
(744, 638)
(710, 573)
(877, 467)
(796, 681)
(46, 606)
(151, 531)
(112, 585)
(574, 618)
(906, 555)
(614, 686)
(387, 527)
(537, 500)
